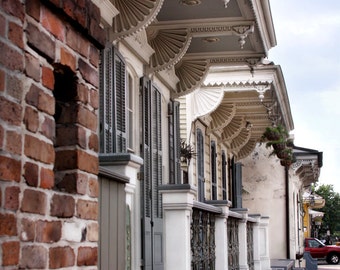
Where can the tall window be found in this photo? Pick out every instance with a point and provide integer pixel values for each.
(213, 155)
(113, 130)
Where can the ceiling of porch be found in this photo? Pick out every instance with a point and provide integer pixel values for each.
(207, 44)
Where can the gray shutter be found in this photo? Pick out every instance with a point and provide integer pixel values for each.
(224, 176)
(200, 165)
(213, 170)
(112, 102)
(152, 225)
(237, 185)
(174, 143)
(120, 100)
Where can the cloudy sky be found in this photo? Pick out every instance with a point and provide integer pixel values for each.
(308, 50)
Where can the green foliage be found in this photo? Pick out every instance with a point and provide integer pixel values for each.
(331, 219)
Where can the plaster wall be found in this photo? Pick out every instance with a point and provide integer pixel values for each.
(264, 193)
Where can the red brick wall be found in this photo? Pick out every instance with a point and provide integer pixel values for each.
(48, 221)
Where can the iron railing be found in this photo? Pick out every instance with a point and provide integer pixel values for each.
(250, 245)
(202, 240)
(233, 243)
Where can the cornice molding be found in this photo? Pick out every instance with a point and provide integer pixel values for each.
(107, 10)
(241, 140)
(247, 149)
(233, 129)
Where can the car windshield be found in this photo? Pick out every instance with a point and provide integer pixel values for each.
(315, 243)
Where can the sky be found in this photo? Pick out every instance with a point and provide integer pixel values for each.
(308, 51)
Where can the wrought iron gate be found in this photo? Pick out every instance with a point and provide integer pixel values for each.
(202, 240)
(233, 244)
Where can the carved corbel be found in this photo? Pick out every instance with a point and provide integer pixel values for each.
(242, 31)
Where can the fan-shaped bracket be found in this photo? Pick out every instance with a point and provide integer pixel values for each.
(134, 16)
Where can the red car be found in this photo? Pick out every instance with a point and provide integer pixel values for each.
(318, 250)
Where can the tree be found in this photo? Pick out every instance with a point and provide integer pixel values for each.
(331, 219)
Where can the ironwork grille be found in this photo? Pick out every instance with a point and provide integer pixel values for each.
(233, 244)
(202, 240)
(250, 246)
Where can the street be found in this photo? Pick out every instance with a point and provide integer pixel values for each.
(322, 265)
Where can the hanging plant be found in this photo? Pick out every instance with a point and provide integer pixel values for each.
(187, 152)
(289, 159)
(275, 133)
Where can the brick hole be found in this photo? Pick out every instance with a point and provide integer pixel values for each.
(65, 93)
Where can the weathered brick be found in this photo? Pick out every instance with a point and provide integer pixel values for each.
(14, 7)
(46, 103)
(31, 119)
(46, 178)
(61, 257)
(34, 201)
(87, 118)
(53, 24)
(47, 77)
(12, 198)
(32, 96)
(89, 73)
(82, 93)
(66, 160)
(10, 112)
(97, 32)
(68, 59)
(10, 169)
(11, 58)
(33, 257)
(39, 150)
(71, 135)
(15, 87)
(2, 80)
(87, 256)
(31, 174)
(62, 206)
(66, 182)
(48, 128)
(13, 142)
(93, 142)
(87, 162)
(27, 230)
(8, 225)
(48, 231)
(77, 42)
(94, 56)
(87, 209)
(40, 42)
(3, 25)
(10, 253)
(82, 183)
(93, 187)
(32, 67)
(15, 34)
(33, 9)
(93, 232)
(94, 99)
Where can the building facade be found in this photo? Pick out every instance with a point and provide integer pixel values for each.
(127, 128)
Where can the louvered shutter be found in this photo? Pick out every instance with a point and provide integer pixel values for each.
(174, 143)
(213, 170)
(200, 165)
(152, 176)
(112, 102)
(224, 176)
(237, 185)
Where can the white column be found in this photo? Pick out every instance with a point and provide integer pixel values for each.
(256, 241)
(264, 243)
(177, 206)
(221, 239)
(242, 237)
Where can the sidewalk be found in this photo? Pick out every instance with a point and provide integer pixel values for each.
(322, 265)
